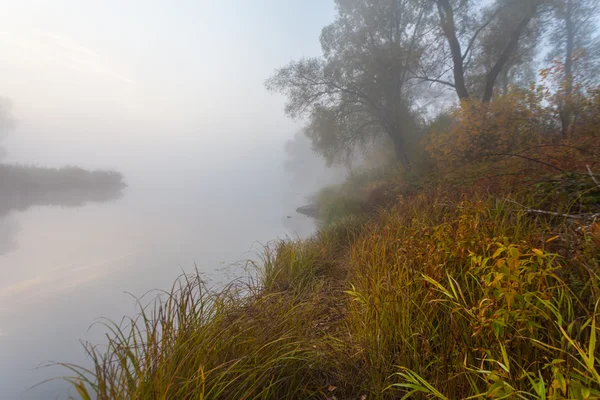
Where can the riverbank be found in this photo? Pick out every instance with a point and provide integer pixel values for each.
(410, 288)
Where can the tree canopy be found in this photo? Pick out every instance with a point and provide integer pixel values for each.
(385, 61)
(363, 86)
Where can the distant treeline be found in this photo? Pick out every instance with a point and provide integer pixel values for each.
(22, 187)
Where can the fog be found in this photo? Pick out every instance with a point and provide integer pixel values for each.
(170, 96)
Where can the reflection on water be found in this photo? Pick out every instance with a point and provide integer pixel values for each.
(23, 187)
(72, 265)
(8, 232)
(29, 275)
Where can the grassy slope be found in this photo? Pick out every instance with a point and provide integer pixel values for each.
(437, 293)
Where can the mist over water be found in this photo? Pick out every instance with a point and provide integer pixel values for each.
(70, 254)
(75, 247)
(170, 95)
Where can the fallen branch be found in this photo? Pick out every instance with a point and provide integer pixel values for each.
(554, 214)
(592, 176)
(571, 216)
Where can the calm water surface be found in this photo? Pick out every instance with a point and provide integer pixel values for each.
(61, 268)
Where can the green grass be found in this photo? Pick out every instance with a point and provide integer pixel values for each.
(364, 192)
(441, 293)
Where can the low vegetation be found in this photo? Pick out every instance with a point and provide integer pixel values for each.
(410, 289)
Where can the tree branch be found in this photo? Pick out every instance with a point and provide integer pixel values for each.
(446, 14)
(412, 45)
(426, 79)
(479, 30)
(592, 176)
(504, 57)
(555, 214)
(529, 159)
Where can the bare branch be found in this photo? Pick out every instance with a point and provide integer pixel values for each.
(427, 79)
(504, 57)
(592, 176)
(529, 159)
(552, 213)
(479, 30)
(412, 45)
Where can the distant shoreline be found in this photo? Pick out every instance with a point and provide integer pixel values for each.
(25, 186)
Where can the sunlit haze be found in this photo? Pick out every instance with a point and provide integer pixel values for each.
(171, 95)
(91, 79)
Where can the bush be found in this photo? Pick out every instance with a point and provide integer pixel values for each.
(365, 192)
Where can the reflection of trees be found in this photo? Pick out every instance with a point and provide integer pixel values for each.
(8, 233)
(25, 187)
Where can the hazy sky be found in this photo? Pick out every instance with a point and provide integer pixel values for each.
(102, 77)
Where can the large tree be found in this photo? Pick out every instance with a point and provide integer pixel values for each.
(363, 86)
(575, 43)
(483, 45)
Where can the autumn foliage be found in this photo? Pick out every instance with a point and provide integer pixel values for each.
(520, 132)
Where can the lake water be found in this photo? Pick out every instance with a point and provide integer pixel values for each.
(61, 268)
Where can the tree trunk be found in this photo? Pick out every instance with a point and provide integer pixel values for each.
(570, 49)
(565, 113)
(448, 25)
(400, 149)
(505, 82)
(446, 14)
(492, 76)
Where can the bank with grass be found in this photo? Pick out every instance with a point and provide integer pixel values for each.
(431, 286)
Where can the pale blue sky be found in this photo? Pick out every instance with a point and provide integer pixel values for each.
(100, 73)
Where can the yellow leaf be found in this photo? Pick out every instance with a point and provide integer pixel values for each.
(538, 252)
(585, 393)
(562, 382)
(498, 252)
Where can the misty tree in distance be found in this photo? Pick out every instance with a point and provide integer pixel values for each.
(362, 87)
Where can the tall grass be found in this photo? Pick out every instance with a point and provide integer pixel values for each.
(442, 294)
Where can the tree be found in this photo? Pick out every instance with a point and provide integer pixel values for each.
(574, 42)
(483, 44)
(519, 68)
(362, 87)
